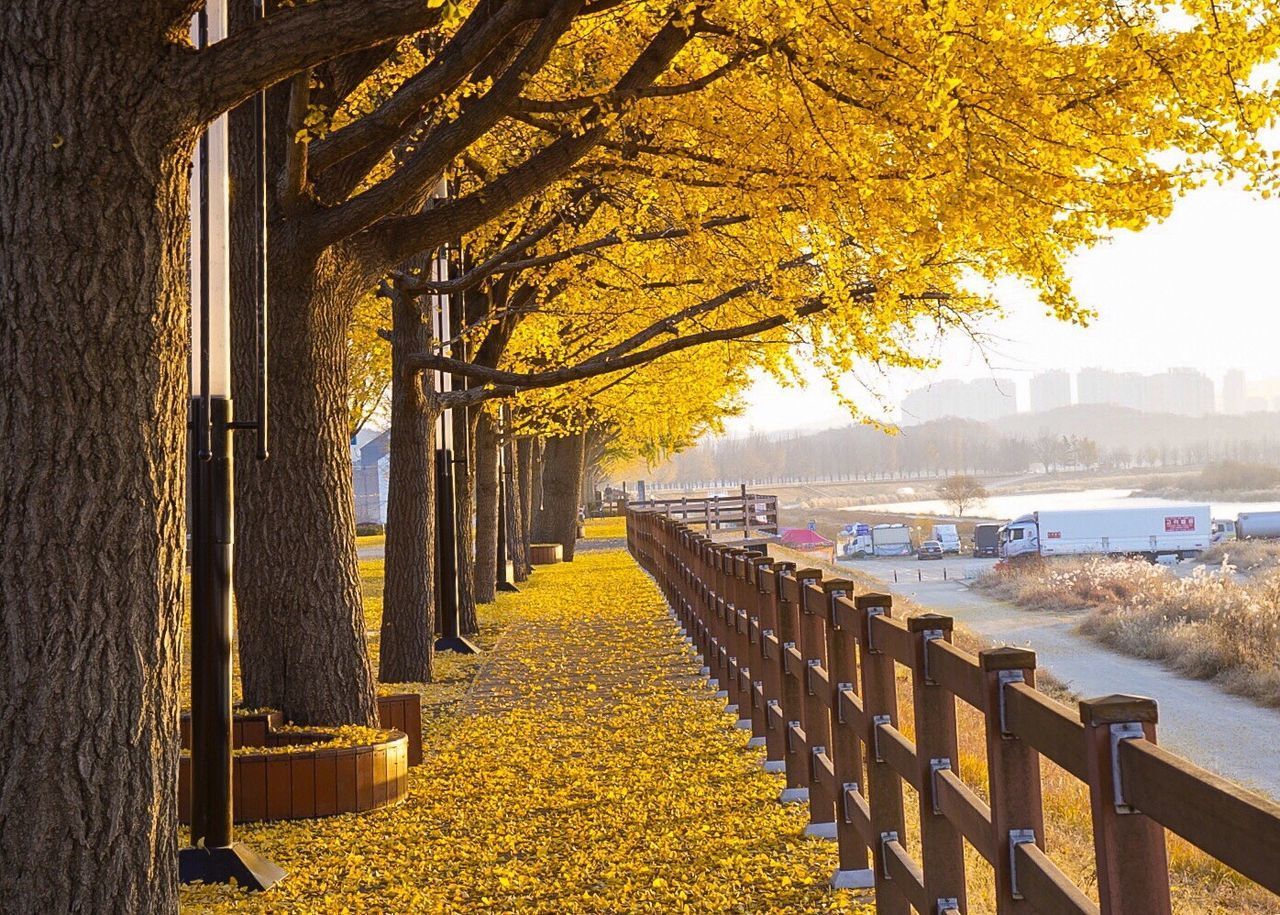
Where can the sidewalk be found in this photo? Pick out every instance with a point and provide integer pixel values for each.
(588, 771)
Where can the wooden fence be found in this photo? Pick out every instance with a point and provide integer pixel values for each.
(752, 515)
(812, 667)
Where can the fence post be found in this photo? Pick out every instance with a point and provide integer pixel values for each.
(816, 718)
(790, 594)
(772, 640)
(756, 626)
(1013, 769)
(1133, 867)
(846, 748)
(884, 786)
(941, 845)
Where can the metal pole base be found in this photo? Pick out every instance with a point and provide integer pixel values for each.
(862, 879)
(236, 863)
(457, 644)
(794, 796)
(821, 831)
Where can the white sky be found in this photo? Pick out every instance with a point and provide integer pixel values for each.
(1201, 289)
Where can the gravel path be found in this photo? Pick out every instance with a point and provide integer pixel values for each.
(1215, 729)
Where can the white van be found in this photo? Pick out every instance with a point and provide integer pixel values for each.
(948, 536)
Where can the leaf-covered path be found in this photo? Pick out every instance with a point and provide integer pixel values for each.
(588, 770)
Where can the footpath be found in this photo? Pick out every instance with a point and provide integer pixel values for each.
(587, 770)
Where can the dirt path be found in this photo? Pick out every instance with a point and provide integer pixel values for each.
(1225, 733)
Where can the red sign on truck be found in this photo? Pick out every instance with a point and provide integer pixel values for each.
(1179, 523)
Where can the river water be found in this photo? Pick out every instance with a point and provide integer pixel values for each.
(1011, 506)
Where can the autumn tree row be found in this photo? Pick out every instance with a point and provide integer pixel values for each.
(645, 202)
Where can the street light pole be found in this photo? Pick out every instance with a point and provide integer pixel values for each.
(447, 609)
(214, 856)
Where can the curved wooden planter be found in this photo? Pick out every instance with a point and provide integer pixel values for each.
(303, 783)
(545, 554)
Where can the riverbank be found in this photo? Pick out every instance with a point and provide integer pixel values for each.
(1210, 625)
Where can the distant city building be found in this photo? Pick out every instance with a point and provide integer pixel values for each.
(1233, 392)
(1101, 386)
(1050, 390)
(1181, 391)
(982, 399)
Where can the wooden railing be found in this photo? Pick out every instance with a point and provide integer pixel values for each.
(743, 512)
(811, 667)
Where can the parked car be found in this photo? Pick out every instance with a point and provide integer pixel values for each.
(930, 549)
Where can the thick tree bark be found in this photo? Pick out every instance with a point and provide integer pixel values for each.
(487, 515)
(530, 502)
(407, 640)
(93, 404)
(301, 619)
(514, 532)
(562, 467)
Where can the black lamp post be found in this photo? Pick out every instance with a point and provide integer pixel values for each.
(447, 609)
(214, 856)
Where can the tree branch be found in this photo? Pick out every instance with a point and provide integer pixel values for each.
(219, 77)
(400, 237)
(379, 130)
(443, 144)
(293, 178)
(577, 103)
(506, 383)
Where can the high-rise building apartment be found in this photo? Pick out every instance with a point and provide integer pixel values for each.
(981, 399)
(1234, 399)
(1181, 391)
(1050, 390)
(1101, 386)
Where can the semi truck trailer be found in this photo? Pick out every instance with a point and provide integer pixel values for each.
(1179, 531)
(1258, 525)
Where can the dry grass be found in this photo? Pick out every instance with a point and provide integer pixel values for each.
(1211, 625)
(1245, 555)
(1200, 884)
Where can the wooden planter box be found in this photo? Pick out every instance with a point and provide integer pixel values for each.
(545, 554)
(303, 783)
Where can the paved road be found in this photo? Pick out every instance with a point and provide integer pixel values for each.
(1219, 731)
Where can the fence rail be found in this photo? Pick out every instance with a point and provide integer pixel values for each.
(750, 514)
(811, 667)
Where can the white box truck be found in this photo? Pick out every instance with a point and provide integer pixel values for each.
(1178, 531)
(948, 536)
(891, 540)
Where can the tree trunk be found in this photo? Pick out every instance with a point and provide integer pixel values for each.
(516, 550)
(93, 410)
(528, 458)
(487, 512)
(562, 467)
(464, 427)
(407, 640)
(301, 622)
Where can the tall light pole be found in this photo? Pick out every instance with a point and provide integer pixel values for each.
(447, 609)
(214, 856)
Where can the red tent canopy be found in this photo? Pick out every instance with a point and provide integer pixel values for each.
(801, 538)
